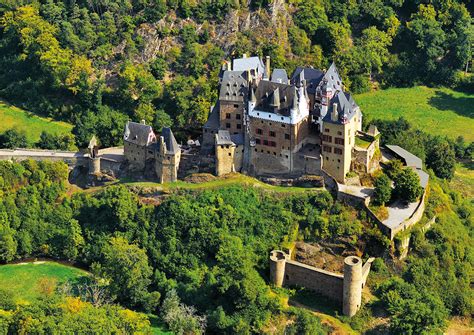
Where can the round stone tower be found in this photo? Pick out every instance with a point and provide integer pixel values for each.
(277, 267)
(352, 290)
(94, 165)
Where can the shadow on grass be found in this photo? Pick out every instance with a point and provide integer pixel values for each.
(463, 106)
(316, 302)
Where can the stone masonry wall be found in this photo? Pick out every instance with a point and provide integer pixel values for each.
(323, 282)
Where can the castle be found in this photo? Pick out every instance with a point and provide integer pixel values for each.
(144, 151)
(266, 123)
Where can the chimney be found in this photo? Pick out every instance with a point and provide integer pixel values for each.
(142, 122)
(244, 55)
(267, 66)
(334, 113)
(228, 65)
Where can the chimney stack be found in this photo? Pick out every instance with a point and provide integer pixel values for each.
(142, 122)
(244, 56)
(335, 113)
(267, 66)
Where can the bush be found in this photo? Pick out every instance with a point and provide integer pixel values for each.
(383, 190)
(407, 185)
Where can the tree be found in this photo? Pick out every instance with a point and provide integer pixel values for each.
(13, 138)
(441, 157)
(181, 319)
(126, 267)
(407, 185)
(383, 190)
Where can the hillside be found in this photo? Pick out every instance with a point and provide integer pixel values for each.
(438, 111)
(32, 125)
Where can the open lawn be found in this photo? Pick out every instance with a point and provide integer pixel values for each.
(33, 125)
(435, 110)
(23, 278)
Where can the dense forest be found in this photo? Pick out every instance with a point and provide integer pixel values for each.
(97, 63)
(199, 259)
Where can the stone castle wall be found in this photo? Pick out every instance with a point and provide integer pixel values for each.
(344, 289)
(320, 281)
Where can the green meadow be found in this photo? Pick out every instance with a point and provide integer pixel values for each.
(435, 110)
(32, 125)
(23, 278)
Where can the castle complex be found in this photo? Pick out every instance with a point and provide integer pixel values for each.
(266, 123)
(143, 150)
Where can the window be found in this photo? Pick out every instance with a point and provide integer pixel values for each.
(227, 125)
(237, 116)
(338, 140)
(236, 106)
(327, 138)
(227, 116)
(273, 144)
(287, 136)
(272, 133)
(339, 132)
(338, 151)
(230, 154)
(265, 142)
(259, 131)
(326, 148)
(326, 130)
(257, 141)
(239, 126)
(283, 125)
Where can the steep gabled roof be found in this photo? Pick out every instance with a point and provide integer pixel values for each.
(234, 86)
(213, 121)
(346, 107)
(172, 145)
(312, 76)
(280, 76)
(333, 79)
(248, 63)
(138, 133)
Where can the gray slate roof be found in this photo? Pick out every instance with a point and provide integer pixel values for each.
(137, 133)
(213, 121)
(238, 139)
(346, 107)
(332, 78)
(312, 76)
(172, 146)
(280, 76)
(409, 159)
(224, 138)
(266, 97)
(248, 63)
(234, 86)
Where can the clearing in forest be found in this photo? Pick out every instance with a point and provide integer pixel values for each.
(438, 111)
(32, 125)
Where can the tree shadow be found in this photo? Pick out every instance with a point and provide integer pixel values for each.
(463, 106)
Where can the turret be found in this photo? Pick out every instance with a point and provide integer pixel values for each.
(277, 267)
(352, 289)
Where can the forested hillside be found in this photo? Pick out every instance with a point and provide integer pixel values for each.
(97, 63)
(209, 249)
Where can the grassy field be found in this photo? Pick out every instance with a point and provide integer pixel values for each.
(13, 117)
(434, 110)
(463, 180)
(23, 278)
